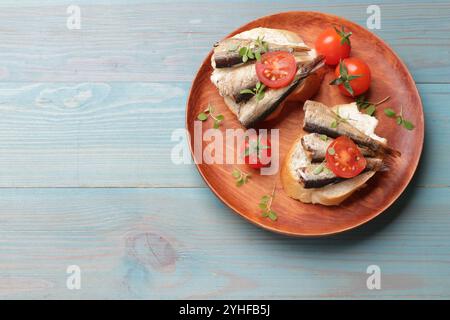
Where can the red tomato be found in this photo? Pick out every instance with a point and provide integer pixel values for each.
(344, 158)
(334, 45)
(358, 77)
(257, 151)
(276, 69)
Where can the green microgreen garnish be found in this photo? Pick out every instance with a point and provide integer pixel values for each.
(338, 120)
(265, 205)
(240, 177)
(389, 112)
(399, 118)
(319, 169)
(257, 91)
(331, 151)
(323, 137)
(251, 53)
(322, 167)
(369, 107)
(345, 36)
(209, 112)
(344, 78)
(255, 147)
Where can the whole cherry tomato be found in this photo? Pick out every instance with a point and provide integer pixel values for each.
(257, 151)
(334, 44)
(352, 76)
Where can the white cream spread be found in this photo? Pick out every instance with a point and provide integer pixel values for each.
(359, 120)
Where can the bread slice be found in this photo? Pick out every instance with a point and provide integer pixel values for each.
(329, 195)
(307, 89)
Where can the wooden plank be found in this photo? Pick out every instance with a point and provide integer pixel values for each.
(96, 108)
(160, 41)
(119, 135)
(183, 243)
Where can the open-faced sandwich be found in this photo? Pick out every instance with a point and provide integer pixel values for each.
(339, 153)
(259, 69)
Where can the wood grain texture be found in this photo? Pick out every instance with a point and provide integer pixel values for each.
(128, 55)
(125, 140)
(141, 40)
(159, 243)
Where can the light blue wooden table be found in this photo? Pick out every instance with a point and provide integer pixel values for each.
(86, 179)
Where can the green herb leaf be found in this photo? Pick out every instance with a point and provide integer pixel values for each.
(240, 177)
(272, 215)
(243, 51)
(408, 125)
(260, 96)
(318, 169)
(368, 107)
(399, 118)
(323, 137)
(265, 199)
(389, 112)
(258, 91)
(254, 52)
(202, 116)
(334, 124)
(258, 55)
(370, 110)
(247, 91)
(331, 151)
(266, 206)
(209, 112)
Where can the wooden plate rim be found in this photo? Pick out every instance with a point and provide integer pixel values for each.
(324, 234)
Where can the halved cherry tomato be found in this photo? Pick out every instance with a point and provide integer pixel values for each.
(334, 44)
(344, 158)
(356, 75)
(276, 69)
(257, 151)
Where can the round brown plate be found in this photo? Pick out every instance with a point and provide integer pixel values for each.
(390, 78)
